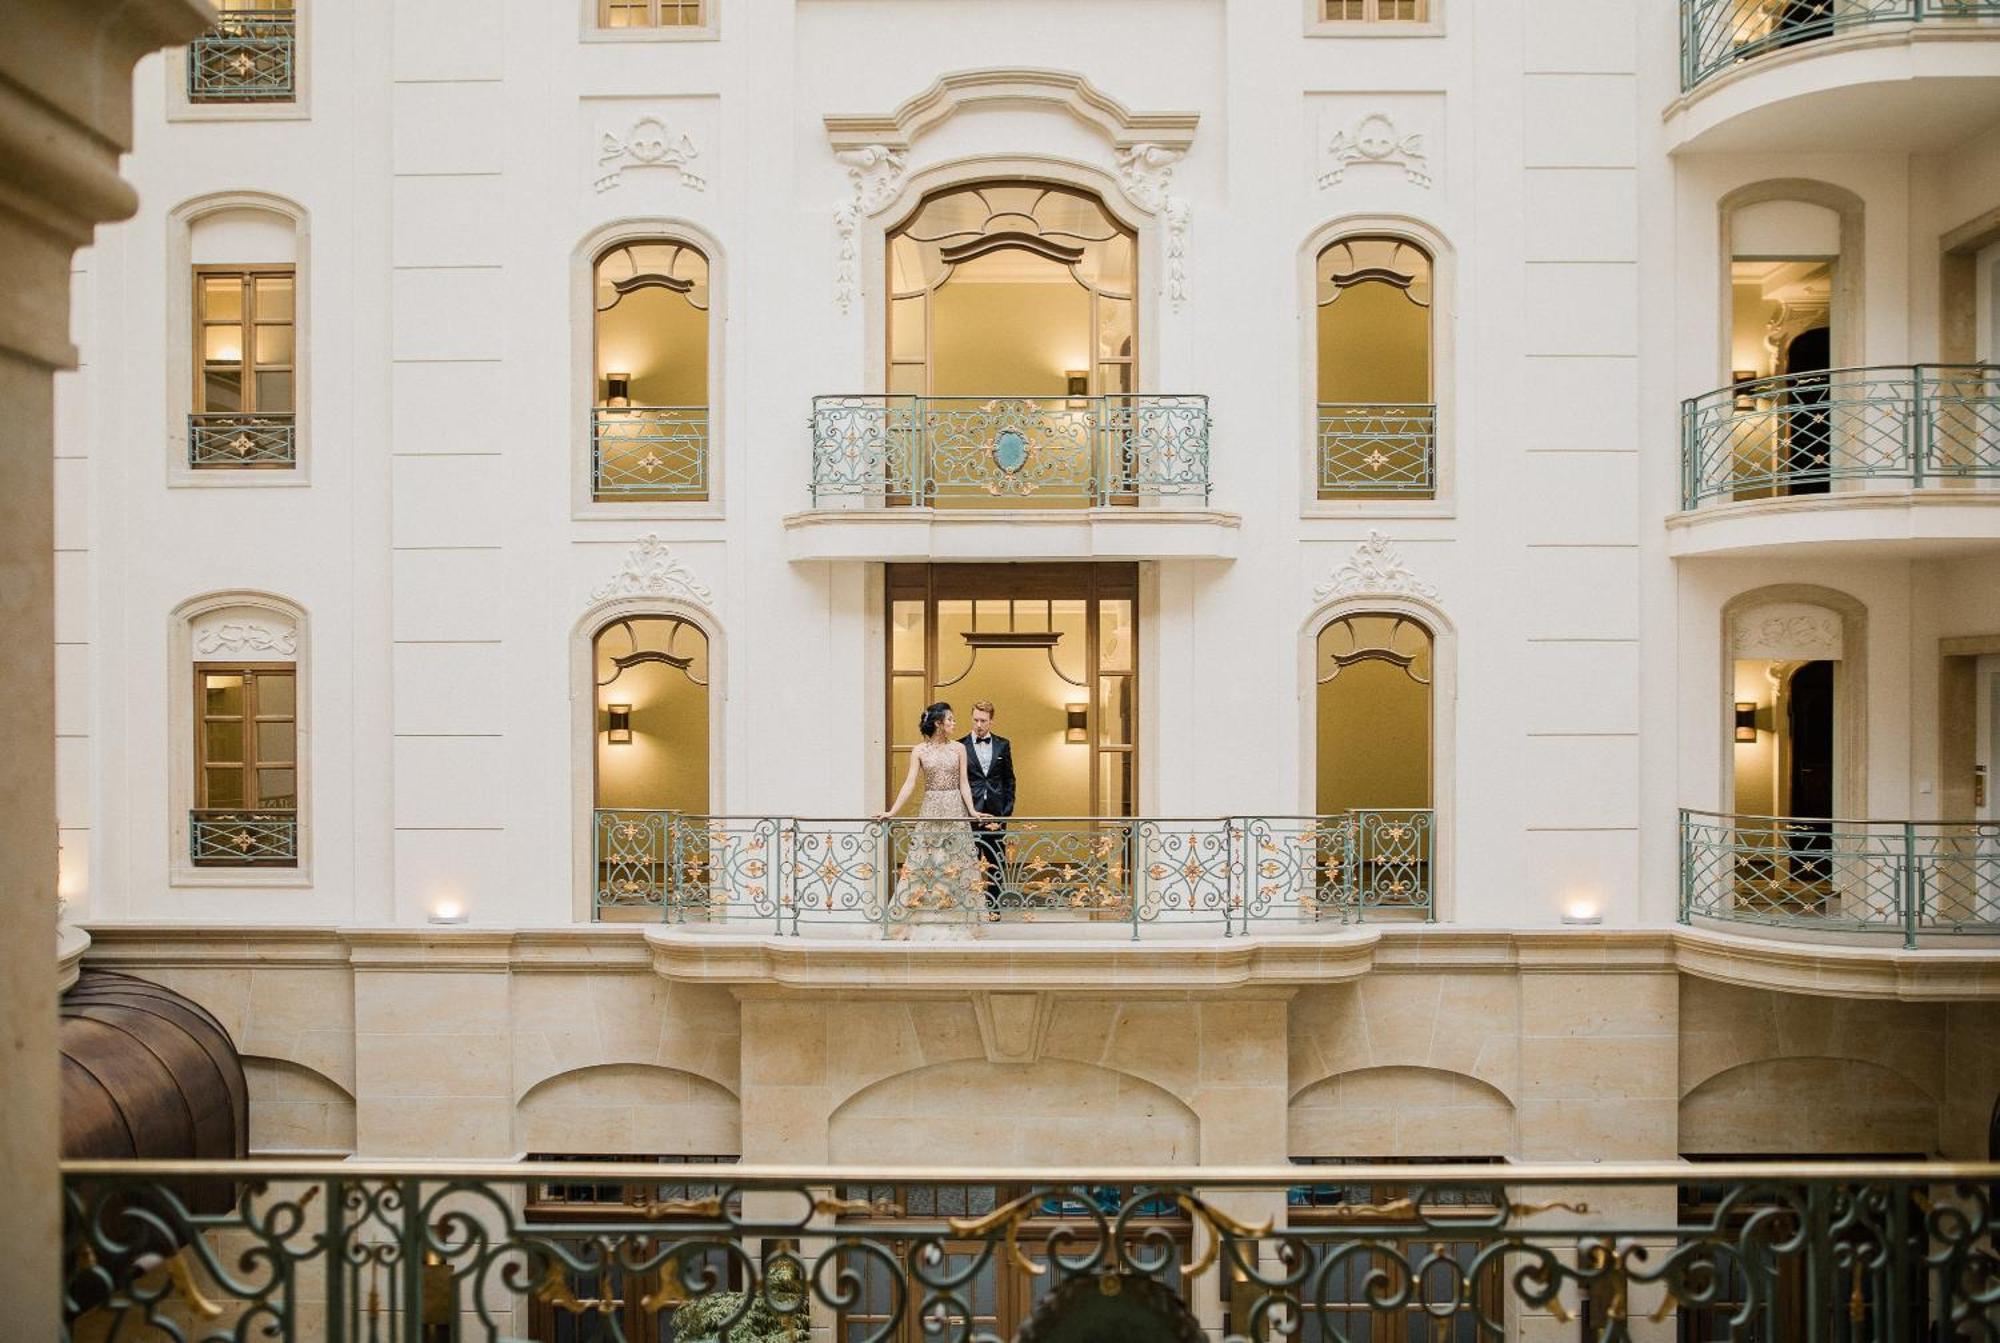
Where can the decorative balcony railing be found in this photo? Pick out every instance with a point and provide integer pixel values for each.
(237, 442)
(247, 57)
(792, 876)
(1917, 426)
(1378, 450)
(1909, 877)
(1010, 451)
(263, 837)
(642, 453)
(402, 1252)
(1717, 34)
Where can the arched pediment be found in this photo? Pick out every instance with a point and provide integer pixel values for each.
(1811, 1103)
(1063, 90)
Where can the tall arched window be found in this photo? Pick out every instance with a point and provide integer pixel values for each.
(1374, 674)
(1377, 410)
(649, 423)
(652, 722)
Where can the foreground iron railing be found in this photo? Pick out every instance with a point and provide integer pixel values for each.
(226, 441)
(247, 57)
(265, 836)
(1920, 426)
(649, 452)
(1378, 450)
(363, 1252)
(794, 876)
(1082, 451)
(1716, 34)
(1912, 877)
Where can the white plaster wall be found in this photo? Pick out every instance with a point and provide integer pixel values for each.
(450, 168)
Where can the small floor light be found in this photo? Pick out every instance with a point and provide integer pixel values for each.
(448, 911)
(1078, 730)
(618, 724)
(1746, 722)
(1583, 911)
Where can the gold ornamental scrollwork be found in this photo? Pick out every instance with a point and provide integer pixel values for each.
(1007, 1219)
(1221, 1226)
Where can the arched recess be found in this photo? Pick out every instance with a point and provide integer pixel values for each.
(589, 717)
(295, 1109)
(261, 638)
(1386, 609)
(1808, 1106)
(1441, 374)
(629, 1109)
(1753, 232)
(237, 228)
(589, 390)
(1045, 1113)
(1768, 634)
(1400, 1112)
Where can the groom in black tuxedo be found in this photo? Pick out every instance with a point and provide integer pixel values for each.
(989, 768)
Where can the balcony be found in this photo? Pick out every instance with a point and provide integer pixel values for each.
(232, 442)
(1377, 451)
(358, 1250)
(1902, 460)
(1122, 476)
(264, 837)
(1907, 879)
(1794, 75)
(1061, 876)
(247, 57)
(648, 454)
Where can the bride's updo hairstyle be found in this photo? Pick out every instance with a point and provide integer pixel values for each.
(932, 720)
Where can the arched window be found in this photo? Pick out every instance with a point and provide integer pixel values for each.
(246, 356)
(652, 719)
(1377, 410)
(1374, 679)
(649, 420)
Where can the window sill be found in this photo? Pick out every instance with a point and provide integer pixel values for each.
(1338, 510)
(184, 877)
(1363, 29)
(706, 33)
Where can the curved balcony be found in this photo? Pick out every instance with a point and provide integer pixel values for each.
(1891, 459)
(898, 477)
(1063, 876)
(1907, 879)
(1803, 74)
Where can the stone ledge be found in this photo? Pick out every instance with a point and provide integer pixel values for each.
(890, 534)
(71, 943)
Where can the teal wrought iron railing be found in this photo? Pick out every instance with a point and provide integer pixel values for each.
(1718, 34)
(1922, 426)
(1909, 877)
(794, 876)
(257, 837)
(1010, 451)
(641, 453)
(219, 441)
(1377, 450)
(406, 1252)
(247, 57)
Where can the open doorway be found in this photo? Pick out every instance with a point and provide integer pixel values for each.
(1785, 717)
(1781, 347)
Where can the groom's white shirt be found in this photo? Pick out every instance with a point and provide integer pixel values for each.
(983, 746)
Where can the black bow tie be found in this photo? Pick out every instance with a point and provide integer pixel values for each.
(982, 741)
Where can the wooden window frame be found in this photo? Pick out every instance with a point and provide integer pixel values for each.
(653, 10)
(1372, 12)
(251, 764)
(247, 365)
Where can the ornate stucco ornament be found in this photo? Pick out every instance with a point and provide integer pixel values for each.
(653, 570)
(1788, 631)
(1146, 172)
(1375, 568)
(649, 143)
(1374, 139)
(241, 638)
(875, 175)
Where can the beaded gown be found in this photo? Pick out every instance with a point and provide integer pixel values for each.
(940, 888)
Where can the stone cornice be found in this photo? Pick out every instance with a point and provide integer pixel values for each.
(960, 89)
(1930, 975)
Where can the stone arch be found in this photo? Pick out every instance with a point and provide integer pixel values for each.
(629, 1109)
(1049, 1112)
(1850, 627)
(295, 1108)
(1400, 1111)
(582, 261)
(1808, 1104)
(1846, 309)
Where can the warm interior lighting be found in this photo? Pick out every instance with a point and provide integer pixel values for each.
(1740, 376)
(618, 389)
(448, 911)
(1079, 381)
(1078, 730)
(1583, 909)
(618, 724)
(1746, 722)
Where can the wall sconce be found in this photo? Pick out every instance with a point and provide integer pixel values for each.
(1746, 722)
(1583, 910)
(618, 724)
(618, 389)
(448, 911)
(1079, 381)
(1740, 376)
(1078, 730)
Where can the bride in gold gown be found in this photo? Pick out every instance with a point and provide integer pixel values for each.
(940, 885)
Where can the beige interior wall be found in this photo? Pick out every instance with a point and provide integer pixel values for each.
(1400, 1112)
(294, 1109)
(1008, 339)
(666, 764)
(1971, 1081)
(1746, 329)
(1756, 762)
(1374, 345)
(634, 1109)
(1374, 746)
(659, 338)
(1028, 697)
